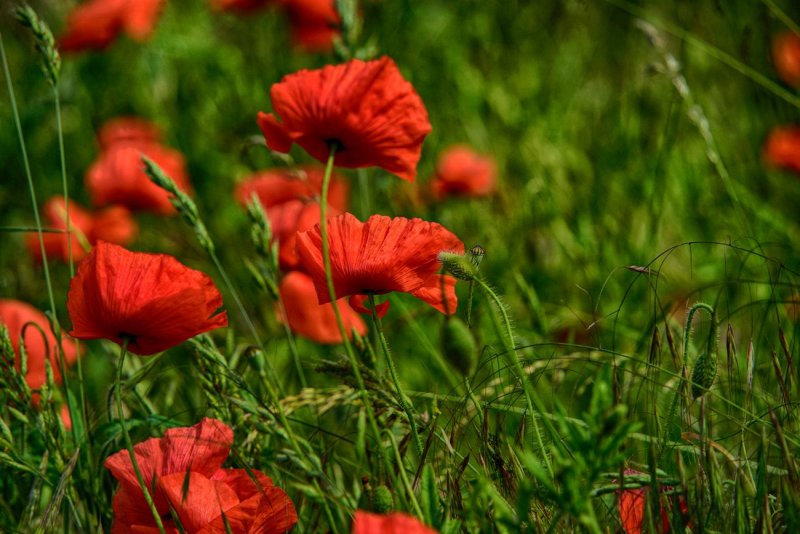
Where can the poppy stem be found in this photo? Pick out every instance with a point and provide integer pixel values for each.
(534, 404)
(326, 260)
(127, 438)
(401, 396)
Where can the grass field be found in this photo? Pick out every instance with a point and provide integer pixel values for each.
(624, 359)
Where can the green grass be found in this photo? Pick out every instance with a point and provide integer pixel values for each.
(632, 186)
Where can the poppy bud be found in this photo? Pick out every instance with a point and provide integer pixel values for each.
(704, 373)
(382, 501)
(458, 265)
(459, 346)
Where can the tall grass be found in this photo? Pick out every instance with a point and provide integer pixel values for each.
(636, 308)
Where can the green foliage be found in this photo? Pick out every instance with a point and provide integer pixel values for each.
(632, 194)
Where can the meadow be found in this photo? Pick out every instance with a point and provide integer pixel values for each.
(568, 283)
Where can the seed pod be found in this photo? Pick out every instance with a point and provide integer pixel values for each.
(704, 373)
(382, 501)
(459, 346)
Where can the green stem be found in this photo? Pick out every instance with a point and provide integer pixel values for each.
(326, 261)
(29, 176)
(401, 396)
(55, 327)
(292, 346)
(127, 438)
(534, 405)
(404, 477)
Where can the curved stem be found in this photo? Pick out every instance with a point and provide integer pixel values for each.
(404, 402)
(129, 444)
(326, 261)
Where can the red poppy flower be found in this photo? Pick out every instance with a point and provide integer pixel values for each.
(310, 319)
(394, 523)
(122, 129)
(56, 246)
(381, 255)
(786, 54)
(114, 225)
(18, 317)
(463, 172)
(366, 109)
(184, 468)
(782, 148)
(118, 177)
(287, 220)
(314, 23)
(277, 186)
(96, 23)
(631, 504)
(151, 299)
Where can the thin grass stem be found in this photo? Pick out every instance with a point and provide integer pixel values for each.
(408, 408)
(128, 444)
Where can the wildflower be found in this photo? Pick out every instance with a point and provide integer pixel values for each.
(96, 23)
(782, 148)
(132, 129)
(287, 220)
(314, 23)
(310, 319)
(118, 176)
(394, 523)
(184, 470)
(40, 345)
(381, 255)
(463, 172)
(366, 110)
(151, 300)
(786, 54)
(631, 505)
(277, 186)
(113, 224)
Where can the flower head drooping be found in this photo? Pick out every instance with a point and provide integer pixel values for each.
(379, 256)
(366, 110)
(118, 175)
(114, 224)
(786, 54)
(306, 317)
(782, 148)
(26, 322)
(151, 300)
(394, 523)
(96, 23)
(463, 172)
(184, 468)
